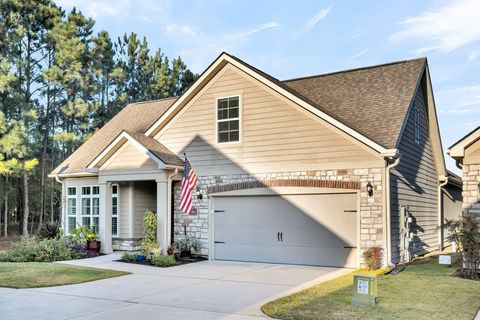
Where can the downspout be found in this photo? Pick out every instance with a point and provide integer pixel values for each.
(63, 202)
(440, 222)
(169, 204)
(388, 241)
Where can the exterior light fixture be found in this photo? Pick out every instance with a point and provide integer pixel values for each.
(478, 188)
(369, 188)
(199, 194)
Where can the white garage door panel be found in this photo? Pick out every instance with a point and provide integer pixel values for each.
(317, 229)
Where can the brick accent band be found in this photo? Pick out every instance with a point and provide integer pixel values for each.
(335, 184)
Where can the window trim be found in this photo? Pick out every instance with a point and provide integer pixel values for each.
(416, 124)
(117, 196)
(90, 196)
(68, 216)
(240, 119)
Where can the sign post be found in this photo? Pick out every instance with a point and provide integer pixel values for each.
(364, 290)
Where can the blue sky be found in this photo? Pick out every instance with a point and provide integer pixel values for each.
(295, 38)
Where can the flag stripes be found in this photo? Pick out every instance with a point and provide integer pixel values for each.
(189, 181)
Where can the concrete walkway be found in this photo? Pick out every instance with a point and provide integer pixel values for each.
(203, 290)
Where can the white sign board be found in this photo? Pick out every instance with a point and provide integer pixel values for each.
(362, 286)
(443, 259)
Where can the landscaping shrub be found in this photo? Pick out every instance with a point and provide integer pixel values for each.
(373, 258)
(128, 257)
(49, 230)
(465, 231)
(164, 261)
(186, 246)
(48, 250)
(149, 243)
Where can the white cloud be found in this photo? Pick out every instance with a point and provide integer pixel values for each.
(460, 101)
(358, 54)
(250, 32)
(312, 22)
(118, 9)
(445, 29)
(473, 56)
(175, 30)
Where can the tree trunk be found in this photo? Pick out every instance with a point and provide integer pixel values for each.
(26, 210)
(5, 213)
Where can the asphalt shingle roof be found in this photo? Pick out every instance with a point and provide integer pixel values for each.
(372, 100)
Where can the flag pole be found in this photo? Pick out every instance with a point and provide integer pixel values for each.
(198, 180)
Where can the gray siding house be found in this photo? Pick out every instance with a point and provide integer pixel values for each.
(310, 171)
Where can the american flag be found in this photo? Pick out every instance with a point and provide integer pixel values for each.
(189, 181)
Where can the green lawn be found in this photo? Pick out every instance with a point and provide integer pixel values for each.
(43, 274)
(422, 291)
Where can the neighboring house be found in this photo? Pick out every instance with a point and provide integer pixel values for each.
(466, 153)
(305, 171)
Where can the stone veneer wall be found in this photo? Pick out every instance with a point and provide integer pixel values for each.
(471, 196)
(371, 225)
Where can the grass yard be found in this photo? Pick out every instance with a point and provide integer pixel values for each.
(43, 274)
(424, 290)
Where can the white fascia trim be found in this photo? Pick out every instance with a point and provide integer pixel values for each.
(282, 91)
(390, 153)
(141, 148)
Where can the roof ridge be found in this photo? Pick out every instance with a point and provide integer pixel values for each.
(353, 69)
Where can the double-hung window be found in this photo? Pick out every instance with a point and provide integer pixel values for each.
(71, 208)
(115, 207)
(228, 119)
(91, 207)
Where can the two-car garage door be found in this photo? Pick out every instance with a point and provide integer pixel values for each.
(311, 229)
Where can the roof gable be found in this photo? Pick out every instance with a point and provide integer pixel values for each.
(147, 146)
(271, 82)
(135, 117)
(457, 150)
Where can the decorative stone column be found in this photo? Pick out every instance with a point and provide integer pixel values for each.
(106, 217)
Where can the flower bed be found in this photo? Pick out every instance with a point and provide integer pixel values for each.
(163, 261)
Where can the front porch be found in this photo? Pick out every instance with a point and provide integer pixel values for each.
(123, 202)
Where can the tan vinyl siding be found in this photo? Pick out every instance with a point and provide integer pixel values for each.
(127, 158)
(414, 184)
(275, 134)
(145, 197)
(123, 210)
(472, 153)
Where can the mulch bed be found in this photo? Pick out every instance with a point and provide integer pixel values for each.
(180, 261)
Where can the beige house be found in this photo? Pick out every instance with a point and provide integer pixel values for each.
(466, 153)
(305, 171)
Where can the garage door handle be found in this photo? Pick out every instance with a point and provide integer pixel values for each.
(219, 241)
(281, 236)
(349, 247)
(278, 236)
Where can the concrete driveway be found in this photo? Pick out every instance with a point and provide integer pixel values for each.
(203, 290)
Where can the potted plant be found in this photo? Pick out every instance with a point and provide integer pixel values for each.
(93, 244)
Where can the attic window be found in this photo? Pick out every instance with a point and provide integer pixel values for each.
(228, 119)
(416, 114)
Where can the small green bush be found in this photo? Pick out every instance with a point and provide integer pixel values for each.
(49, 230)
(164, 261)
(187, 246)
(373, 258)
(32, 250)
(149, 243)
(128, 257)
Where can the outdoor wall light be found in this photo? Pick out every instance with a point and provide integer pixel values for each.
(199, 194)
(478, 188)
(369, 188)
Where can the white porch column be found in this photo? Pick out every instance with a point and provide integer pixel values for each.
(162, 215)
(106, 217)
